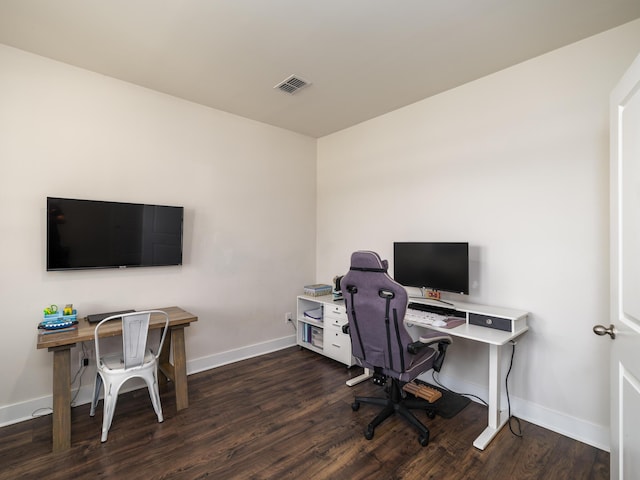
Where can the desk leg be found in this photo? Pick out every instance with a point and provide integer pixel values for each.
(165, 369)
(61, 398)
(494, 385)
(497, 418)
(180, 368)
(177, 372)
(360, 378)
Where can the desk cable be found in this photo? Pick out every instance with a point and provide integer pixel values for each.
(437, 382)
(506, 384)
(40, 412)
(80, 372)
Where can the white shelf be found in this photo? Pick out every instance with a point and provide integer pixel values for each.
(481, 334)
(335, 343)
(311, 321)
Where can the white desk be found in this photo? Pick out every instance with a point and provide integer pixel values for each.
(496, 340)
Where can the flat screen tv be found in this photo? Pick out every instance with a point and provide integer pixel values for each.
(441, 266)
(85, 234)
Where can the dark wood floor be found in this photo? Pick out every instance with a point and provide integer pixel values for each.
(285, 415)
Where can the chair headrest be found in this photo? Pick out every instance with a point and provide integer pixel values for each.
(368, 261)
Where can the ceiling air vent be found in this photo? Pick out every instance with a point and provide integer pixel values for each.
(292, 84)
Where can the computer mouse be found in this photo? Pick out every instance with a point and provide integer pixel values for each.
(439, 323)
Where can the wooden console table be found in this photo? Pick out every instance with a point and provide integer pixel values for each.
(60, 344)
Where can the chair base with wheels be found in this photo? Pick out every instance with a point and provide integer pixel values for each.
(397, 402)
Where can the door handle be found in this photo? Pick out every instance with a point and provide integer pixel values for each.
(602, 330)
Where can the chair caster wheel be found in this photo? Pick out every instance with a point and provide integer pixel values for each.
(424, 440)
(431, 414)
(355, 406)
(368, 433)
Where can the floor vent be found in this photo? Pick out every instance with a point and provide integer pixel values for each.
(292, 84)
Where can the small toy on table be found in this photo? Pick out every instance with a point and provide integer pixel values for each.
(58, 321)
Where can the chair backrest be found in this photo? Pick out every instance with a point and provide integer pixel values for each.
(135, 331)
(376, 305)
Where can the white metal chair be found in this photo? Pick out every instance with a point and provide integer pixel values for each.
(135, 360)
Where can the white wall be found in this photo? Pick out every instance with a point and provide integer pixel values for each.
(249, 195)
(516, 164)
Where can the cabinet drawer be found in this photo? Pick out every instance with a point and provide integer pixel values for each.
(337, 345)
(491, 322)
(330, 320)
(335, 315)
(334, 309)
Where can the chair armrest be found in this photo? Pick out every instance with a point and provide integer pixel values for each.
(416, 346)
(436, 339)
(443, 342)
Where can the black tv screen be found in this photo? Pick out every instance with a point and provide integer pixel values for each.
(442, 266)
(83, 234)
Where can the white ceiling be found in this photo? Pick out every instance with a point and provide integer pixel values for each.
(363, 57)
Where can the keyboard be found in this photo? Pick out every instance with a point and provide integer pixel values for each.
(98, 317)
(420, 317)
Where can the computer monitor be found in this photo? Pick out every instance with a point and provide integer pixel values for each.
(440, 266)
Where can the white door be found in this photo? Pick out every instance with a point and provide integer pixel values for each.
(625, 277)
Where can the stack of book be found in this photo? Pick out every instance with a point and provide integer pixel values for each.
(317, 289)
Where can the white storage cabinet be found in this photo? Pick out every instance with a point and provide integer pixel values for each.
(324, 335)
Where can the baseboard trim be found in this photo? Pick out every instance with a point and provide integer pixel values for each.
(586, 432)
(231, 356)
(33, 408)
(597, 436)
(30, 409)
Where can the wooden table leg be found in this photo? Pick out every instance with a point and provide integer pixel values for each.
(180, 368)
(61, 398)
(176, 372)
(163, 362)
